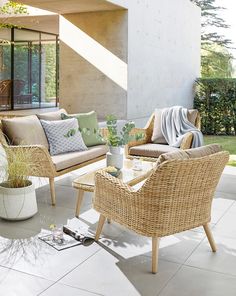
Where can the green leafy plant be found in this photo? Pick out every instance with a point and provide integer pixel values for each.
(115, 138)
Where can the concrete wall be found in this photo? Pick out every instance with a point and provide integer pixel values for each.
(163, 59)
(164, 55)
(45, 23)
(160, 41)
(82, 86)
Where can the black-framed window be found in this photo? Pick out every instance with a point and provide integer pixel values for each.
(28, 69)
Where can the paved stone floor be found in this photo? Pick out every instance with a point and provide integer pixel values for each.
(120, 264)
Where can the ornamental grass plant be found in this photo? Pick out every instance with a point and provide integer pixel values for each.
(18, 167)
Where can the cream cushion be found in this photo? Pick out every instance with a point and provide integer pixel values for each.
(151, 150)
(25, 130)
(192, 116)
(203, 151)
(66, 160)
(52, 116)
(157, 136)
(181, 154)
(190, 153)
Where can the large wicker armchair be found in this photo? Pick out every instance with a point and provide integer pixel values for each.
(176, 197)
(151, 151)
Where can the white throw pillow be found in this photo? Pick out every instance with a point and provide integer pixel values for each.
(157, 136)
(63, 136)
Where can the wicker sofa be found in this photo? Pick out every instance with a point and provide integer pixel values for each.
(53, 166)
(151, 151)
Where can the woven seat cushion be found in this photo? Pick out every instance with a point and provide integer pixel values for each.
(66, 160)
(26, 130)
(151, 150)
(157, 136)
(51, 116)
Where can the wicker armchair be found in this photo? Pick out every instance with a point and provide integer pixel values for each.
(19, 97)
(5, 93)
(176, 197)
(147, 131)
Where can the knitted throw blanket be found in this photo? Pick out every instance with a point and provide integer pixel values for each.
(175, 124)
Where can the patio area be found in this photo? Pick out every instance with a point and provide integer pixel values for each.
(120, 263)
(84, 85)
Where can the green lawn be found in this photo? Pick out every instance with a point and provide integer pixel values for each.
(227, 142)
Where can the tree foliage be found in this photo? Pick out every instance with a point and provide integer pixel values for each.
(216, 101)
(210, 22)
(217, 62)
(216, 58)
(9, 9)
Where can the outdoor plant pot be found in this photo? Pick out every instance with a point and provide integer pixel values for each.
(115, 157)
(17, 203)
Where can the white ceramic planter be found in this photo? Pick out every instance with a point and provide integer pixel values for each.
(115, 157)
(115, 150)
(17, 203)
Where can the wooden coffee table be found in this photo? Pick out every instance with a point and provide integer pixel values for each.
(86, 182)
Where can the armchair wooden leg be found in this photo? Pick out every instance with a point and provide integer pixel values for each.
(101, 222)
(52, 190)
(210, 237)
(155, 249)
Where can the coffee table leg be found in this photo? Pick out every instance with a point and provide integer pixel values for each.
(79, 202)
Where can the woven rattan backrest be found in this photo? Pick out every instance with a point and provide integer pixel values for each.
(179, 193)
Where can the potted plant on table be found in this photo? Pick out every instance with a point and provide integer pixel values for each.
(17, 193)
(116, 140)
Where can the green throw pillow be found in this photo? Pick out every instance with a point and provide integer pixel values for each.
(88, 125)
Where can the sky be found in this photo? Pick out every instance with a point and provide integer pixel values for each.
(229, 15)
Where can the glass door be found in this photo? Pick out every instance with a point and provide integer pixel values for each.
(28, 69)
(27, 61)
(48, 70)
(5, 69)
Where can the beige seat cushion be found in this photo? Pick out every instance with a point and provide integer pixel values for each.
(51, 116)
(151, 150)
(190, 153)
(157, 136)
(25, 130)
(203, 151)
(181, 154)
(64, 161)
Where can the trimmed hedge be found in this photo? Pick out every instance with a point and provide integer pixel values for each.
(216, 100)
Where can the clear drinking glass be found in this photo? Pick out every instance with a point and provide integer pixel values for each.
(57, 234)
(137, 165)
